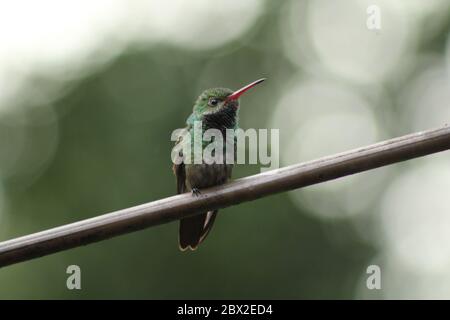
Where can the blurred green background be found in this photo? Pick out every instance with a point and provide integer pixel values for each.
(90, 92)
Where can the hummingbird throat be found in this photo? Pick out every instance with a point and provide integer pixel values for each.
(221, 120)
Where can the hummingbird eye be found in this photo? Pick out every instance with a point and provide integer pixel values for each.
(213, 102)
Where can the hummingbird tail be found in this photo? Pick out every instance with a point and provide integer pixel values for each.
(193, 230)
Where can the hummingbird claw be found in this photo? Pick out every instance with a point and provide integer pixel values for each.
(196, 192)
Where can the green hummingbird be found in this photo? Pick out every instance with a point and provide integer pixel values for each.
(216, 108)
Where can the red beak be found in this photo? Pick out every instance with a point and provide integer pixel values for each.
(235, 95)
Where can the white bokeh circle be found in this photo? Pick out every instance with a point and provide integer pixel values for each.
(414, 215)
(318, 118)
(332, 37)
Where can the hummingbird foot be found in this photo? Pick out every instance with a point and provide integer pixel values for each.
(196, 192)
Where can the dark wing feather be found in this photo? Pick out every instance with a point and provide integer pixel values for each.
(191, 228)
(178, 167)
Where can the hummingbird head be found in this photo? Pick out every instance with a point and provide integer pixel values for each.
(214, 100)
(220, 105)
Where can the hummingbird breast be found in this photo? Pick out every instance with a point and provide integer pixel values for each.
(207, 175)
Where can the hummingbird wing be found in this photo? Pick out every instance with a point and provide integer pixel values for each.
(191, 228)
(178, 167)
(180, 174)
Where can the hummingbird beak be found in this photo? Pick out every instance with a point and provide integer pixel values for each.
(235, 95)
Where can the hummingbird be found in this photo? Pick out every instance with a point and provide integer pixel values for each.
(216, 108)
